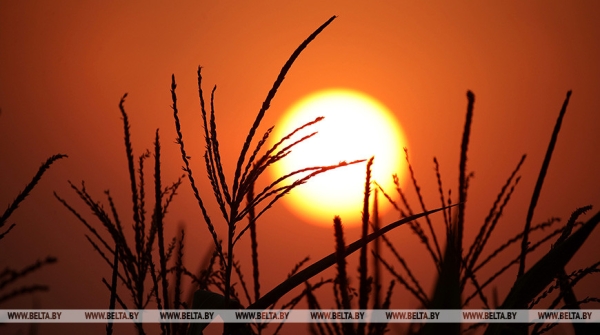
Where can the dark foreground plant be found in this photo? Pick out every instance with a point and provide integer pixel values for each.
(369, 287)
(234, 210)
(458, 266)
(135, 265)
(145, 273)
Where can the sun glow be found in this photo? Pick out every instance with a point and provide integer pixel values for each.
(356, 126)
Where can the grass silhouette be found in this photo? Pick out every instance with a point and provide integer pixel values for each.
(134, 264)
(151, 270)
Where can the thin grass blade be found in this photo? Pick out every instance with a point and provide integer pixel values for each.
(531, 283)
(326, 262)
(539, 183)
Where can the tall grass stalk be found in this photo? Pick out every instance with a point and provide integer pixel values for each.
(457, 268)
(365, 282)
(152, 275)
(133, 263)
(247, 172)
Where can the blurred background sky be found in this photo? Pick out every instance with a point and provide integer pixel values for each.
(65, 65)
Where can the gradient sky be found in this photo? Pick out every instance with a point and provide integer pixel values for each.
(63, 69)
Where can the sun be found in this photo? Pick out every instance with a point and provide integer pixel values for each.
(356, 126)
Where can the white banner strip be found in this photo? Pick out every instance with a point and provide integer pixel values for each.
(299, 316)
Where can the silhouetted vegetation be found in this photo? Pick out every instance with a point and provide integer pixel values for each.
(151, 269)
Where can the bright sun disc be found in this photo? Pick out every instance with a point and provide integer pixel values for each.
(356, 126)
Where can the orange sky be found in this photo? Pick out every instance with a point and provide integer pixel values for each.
(64, 68)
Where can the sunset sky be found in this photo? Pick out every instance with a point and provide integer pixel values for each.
(64, 67)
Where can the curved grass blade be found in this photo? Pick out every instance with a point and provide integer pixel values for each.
(539, 183)
(542, 273)
(327, 261)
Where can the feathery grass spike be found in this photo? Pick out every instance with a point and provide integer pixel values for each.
(462, 188)
(11, 208)
(364, 284)
(188, 170)
(266, 104)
